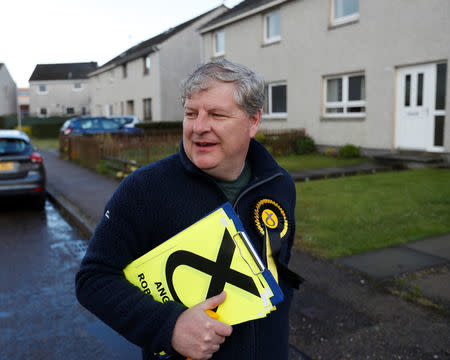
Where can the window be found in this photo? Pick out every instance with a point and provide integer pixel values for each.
(130, 107)
(43, 112)
(344, 11)
(276, 100)
(147, 64)
(124, 70)
(83, 110)
(219, 43)
(148, 109)
(70, 110)
(272, 27)
(77, 86)
(345, 95)
(42, 89)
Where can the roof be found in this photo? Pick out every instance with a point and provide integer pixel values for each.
(149, 46)
(240, 9)
(14, 134)
(75, 71)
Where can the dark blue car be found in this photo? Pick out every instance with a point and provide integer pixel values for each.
(95, 125)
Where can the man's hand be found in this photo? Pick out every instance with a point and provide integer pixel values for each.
(198, 336)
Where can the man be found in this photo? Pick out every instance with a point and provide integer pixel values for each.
(218, 162)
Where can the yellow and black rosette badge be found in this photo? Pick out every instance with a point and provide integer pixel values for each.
(269, 213)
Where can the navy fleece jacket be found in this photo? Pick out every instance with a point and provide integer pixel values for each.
(150, 206)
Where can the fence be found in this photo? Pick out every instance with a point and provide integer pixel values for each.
(141, 149)
(131, 150)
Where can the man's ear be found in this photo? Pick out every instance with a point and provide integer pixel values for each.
(255, 121)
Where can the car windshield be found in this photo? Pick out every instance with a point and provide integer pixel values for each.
(12, 146)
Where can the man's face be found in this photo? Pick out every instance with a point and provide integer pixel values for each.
(217, 132)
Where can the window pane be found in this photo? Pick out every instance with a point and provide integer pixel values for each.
(356, 109)
(334, 110)
(407, 89)
(356, 88)
(148, 109)
(440, 86)
(345, 8)
(219, 42)
(419, 89)
(273, 25)
(279, 99)
(438, 131)
(334, 90)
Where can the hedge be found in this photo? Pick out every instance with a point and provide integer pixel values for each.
(40, 127)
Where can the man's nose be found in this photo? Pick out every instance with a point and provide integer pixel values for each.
(202, 123)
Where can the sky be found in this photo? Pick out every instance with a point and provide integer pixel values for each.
(59, 31)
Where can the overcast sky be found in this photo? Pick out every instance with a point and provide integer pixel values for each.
(58, 31)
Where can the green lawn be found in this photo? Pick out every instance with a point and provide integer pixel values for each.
(52, 143)
(345, 216)
(315, 161)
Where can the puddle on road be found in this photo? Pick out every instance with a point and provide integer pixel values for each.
(64, 239)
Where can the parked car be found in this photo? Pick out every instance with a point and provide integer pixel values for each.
(22, 169)
(126, 120)
(95, 125)
(88, 125)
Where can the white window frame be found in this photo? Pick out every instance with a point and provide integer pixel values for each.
(345, 103)
(343, 19)
(267, 39)
(74, 88)
(219, 52)
(270, 113)
(39, 91)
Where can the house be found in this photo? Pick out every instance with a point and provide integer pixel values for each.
(60, 89)
(370, 73)
(8, 92)
(23, 101)
(144, 80)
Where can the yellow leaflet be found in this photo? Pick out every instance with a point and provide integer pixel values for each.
(201, 259)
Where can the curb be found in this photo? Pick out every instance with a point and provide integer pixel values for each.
(71, 213)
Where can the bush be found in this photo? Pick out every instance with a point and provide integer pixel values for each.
(45, 131)
(26, 129)
(160, 125)
(349, 151)
(261, 137)
(304, 145)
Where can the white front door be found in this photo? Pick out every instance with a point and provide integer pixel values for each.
(416, 88)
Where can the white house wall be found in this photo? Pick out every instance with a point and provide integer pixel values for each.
(388, 35)
(8, 93)
(174, 59)
(111, 88)
(59, 96)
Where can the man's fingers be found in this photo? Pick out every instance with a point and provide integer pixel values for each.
(214, 301)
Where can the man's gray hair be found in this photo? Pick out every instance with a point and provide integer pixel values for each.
(249, 87)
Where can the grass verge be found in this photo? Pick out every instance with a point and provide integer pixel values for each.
(52, 143)
(315, 161)
(346, 216)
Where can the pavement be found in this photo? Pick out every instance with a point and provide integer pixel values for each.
(417, 271)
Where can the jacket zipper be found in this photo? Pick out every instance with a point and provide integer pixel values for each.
(255, 325)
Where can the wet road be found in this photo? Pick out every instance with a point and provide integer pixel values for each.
(40, 317)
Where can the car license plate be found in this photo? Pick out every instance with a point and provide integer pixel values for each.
(5, 166)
